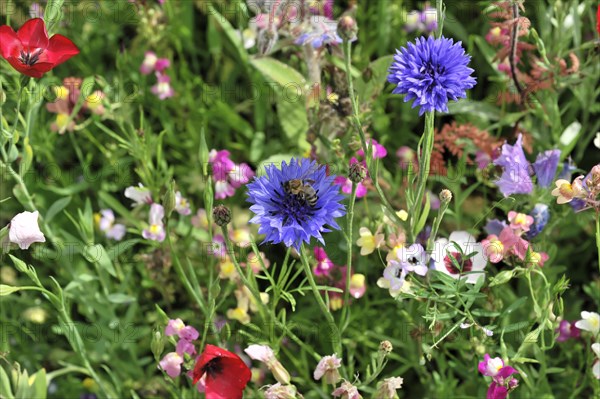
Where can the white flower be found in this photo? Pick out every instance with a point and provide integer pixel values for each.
(590, 322)
(140, 195)
(387, 390)
(261, 353)
(472, 268)
(596, 366)
(597, 140)
(328, 367)
(24, 229)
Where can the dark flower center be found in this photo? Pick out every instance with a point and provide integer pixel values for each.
(213, 368)
(413, 260)
(30, 58)
(293, 207)
(432, 72)
(467, 264)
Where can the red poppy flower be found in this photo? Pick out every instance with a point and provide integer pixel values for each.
(30, 51)
(226, 374)
(598, 20)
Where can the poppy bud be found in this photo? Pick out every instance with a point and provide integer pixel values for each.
(347, 28)
(222, 215)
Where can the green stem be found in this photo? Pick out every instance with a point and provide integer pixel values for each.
(252, 287)
(424, 153)
(350, 217)
(436, 225)
(337, 344)
(358, 126)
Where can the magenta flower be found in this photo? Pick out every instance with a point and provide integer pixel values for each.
(515, 177)
(379, 151)
(346, 183)
(162, 89)
(502, 380)
(156, 230)
(152, 63)
(324, 264)
(171, 364)
(228, 176)
(567, 330)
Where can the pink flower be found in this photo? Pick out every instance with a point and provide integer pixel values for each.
(223, 189)
(182, 206)
(490, 367)
(347, 391)
(328, 369)
(346, 184)
(265, 354)
(406, 155)
(156, 230)
(379, 151)
(24, 229)
(502, 380)
(152, 63)
(519, 222)
(171, 364)
(162, 89)
(227, 175)
(567, 330)
(107, 224)
(185, 346)
(324, 264)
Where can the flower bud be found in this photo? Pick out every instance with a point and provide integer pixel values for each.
(157, 345)
(222, 215)
(446, 196)
(347, 28)
(279, 372)
(169, 199)
(357, 172)
(385, 347)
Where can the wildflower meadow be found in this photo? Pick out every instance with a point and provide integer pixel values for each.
(281, 199)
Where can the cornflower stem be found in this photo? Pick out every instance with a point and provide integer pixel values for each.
(424, 154)
(436, 225)
(337, 345)
(252, 287)
(350, 216)
(358, 126)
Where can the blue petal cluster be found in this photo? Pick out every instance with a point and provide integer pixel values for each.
(515, 178)
(285, 217)
(431, 72)
(541, 216)
(545, 167)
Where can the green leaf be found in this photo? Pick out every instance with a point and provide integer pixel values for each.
(97, 254)
(120, 298)
(515, 326)
(5, 389)
(373, 80)
(113, 203)
(8, 289)
(293, 118)
(56, 208)
(285, 76)
(230, 33)
(39, 388)
(515, 305)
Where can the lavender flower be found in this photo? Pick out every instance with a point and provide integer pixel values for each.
(545, 167)
(289, 218)
(515, 178)
(431, 72)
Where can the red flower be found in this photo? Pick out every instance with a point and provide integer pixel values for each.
(226, 374)
(598, 20)
(30, 51)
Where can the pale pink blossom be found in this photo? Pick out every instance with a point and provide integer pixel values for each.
(24, 229)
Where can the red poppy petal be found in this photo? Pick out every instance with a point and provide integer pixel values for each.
(36, 71)
(33, 34)
(232, 380)
(9, 42)
(60, 49)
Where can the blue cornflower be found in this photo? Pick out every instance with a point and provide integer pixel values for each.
(431, 72)
(288, 217)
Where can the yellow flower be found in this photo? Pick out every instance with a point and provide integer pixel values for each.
(238, 314)
(368, 242)
(61, 92)
(227, 269)
(336, 303)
